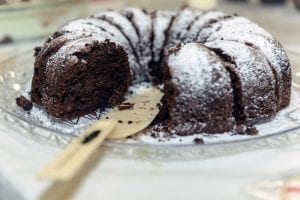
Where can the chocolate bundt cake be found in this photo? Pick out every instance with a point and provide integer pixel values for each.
(219, 72)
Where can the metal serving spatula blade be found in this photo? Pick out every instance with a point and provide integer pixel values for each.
(135, 114)
(131, 117)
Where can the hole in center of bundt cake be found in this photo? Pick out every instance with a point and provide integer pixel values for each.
(92, 81)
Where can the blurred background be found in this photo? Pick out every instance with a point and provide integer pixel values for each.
(25, 20)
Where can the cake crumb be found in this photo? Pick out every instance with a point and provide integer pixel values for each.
(240, 129)
(198, 140)
(126, 106)
(251, 130)
(24, 103)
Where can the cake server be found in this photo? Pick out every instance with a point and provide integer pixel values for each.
(131, 117)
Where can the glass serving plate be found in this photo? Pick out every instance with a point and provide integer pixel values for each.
(15, 79)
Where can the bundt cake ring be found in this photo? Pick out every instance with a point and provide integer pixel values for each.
(219, 72)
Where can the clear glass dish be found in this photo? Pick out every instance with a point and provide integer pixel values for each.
(15, 79)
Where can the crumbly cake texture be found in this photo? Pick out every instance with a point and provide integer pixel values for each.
(95, 74)
(219, 72)
(129, 32)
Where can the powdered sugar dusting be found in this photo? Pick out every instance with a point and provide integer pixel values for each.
(270, 48)
(191, 35)
(66, 51)
(201, 81)
(105, 29)
(160, 22)
(233, 25)
(179, 25)
(93, 26)
(127, 29)
(192, 68)
(142, 22)
(121, 21)
(257, 80)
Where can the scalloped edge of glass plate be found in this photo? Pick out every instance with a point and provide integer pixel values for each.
(150, 151)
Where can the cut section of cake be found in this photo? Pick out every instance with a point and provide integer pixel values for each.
(127, 29)
(87, 27)
(85, 74)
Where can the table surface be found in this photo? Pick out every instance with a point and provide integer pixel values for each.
(224, 177)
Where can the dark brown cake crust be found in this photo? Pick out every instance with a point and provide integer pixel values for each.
(210, 112)
(253, 81)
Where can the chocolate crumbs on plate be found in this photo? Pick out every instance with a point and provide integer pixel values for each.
(198, 140)
(126, 106)
(24, 103)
